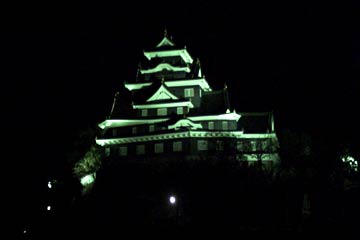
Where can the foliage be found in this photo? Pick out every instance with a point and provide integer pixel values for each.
(350, 164)
(90, 163)
(82, 140)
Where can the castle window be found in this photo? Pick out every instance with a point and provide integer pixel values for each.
(202, 145)
(264, 145)
(134, 130)
(140, 149)
(240, 146)
(253, 146)
(123, 151)
(159, 147)
(177, 146)
(161, 111)
(151, 128)
(144, 112)
(225, 125)
(114, 132)
(211, 125)
(220, 145)
(188, 92)
(107, 151)
(180, 110)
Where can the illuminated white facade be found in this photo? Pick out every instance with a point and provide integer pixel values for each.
(173, 110)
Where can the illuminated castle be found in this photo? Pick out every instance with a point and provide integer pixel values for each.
(173, 111)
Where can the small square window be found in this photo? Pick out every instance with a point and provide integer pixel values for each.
(114, 132)
(134, 130)
(159, 147)
(188, 92)
(151, 128)
(107, 151)
(144, 112)
(253, 146)
(177, 146)
(225, 125)
(180, 110)
(211, 125)
(240, 146)
(220, 145)
(162, 112)
(202, 145)
(264, 145)
(140, 149)
(123, 151)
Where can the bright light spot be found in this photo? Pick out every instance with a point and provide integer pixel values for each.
(24, 232)
(49, 185)
(88, 179)
(48, 208)
(352, 163)
(172, 200)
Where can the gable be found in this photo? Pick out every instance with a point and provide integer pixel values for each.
(164, 66)
(185, 123)
(162, 94)
(165, 42)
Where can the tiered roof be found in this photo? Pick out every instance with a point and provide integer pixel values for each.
(167, 48)
(157, 92)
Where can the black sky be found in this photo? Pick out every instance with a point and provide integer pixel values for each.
(62, 63)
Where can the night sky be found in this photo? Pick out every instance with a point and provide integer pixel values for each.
(63, 62)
